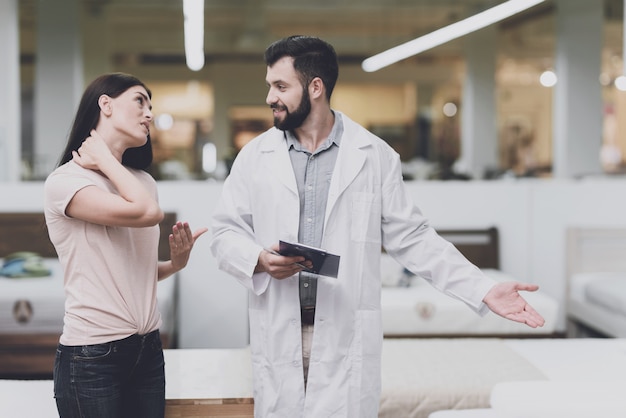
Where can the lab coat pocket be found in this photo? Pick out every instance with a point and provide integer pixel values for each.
(371, 350)
(370, 325)
(365, 217)
(257, 333)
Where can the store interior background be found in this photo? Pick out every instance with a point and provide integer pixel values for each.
(417, 105)
(424, 106)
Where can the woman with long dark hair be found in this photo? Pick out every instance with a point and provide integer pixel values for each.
(102, 213)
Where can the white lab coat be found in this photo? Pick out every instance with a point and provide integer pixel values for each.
(367, 208)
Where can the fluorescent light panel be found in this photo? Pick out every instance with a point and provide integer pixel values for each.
(446, 34)
(193, 13)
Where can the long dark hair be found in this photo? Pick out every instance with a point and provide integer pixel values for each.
(88, 115)
(312, 57)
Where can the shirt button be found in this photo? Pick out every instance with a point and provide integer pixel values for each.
(309, 187)
(309, 219)
(306, 285)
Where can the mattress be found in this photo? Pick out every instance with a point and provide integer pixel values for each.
(36, 305)
(27, 399)
(571, 399)
(421, 376)
(605, 289)
(598, 299)
(420, 309)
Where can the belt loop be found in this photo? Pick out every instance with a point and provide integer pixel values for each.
(307, 315)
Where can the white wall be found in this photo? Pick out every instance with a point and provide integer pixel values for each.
(213, 306)
(477, 204)
(558, 205)
(532, 217)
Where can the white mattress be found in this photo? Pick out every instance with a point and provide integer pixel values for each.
(423, 310)
(421, 376)
(598, 299)
(41, 301)
(27, 399)
(571, 399)
(607, 289)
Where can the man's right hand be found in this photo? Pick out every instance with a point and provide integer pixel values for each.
(278, 266)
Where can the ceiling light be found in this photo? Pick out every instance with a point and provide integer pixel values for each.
(209, 157)
(449, 109)
(620, 83)
(193, 13)
(447, 33)
(164, 122)
(548, 78)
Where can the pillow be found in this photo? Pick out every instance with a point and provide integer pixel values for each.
(608, 292)
(24, 264)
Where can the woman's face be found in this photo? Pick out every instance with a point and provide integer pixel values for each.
(131, 115)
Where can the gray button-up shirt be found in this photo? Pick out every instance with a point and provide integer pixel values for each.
(313, 172)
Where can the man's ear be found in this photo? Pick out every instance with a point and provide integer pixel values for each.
(316, 88)
(104, 102)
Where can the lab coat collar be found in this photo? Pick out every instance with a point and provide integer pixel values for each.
(350, 159)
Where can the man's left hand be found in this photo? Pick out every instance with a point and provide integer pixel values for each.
(504, 299)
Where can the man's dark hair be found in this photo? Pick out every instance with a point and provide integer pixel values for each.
(88, 114)
(312, 57)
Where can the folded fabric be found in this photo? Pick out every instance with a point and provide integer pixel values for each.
(24, 264)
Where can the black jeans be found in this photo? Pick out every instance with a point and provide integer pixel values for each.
(124, 378)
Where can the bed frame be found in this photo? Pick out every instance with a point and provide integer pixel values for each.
(32, 355)
(594, 250)
(26, 231)
(479, 246)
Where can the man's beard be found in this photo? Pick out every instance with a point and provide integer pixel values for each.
(296, 119)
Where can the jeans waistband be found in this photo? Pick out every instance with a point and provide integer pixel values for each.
(138, 338)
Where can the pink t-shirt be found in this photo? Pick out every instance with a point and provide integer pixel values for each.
(110, 272)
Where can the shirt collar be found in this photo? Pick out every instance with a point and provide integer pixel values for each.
(333, 138)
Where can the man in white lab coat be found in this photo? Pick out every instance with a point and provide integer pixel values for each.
(320, 179)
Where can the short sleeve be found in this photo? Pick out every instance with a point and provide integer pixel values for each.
(61, 186)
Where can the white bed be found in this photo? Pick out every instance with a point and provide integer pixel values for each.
(205, 383)
(31, 320)
(420, 310)
(548, 399)
(35, 305)
(32, 309)
(421, 376)
(596, 285)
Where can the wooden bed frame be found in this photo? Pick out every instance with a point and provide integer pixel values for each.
(32, 355)
(594, 250)
(479, 246)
